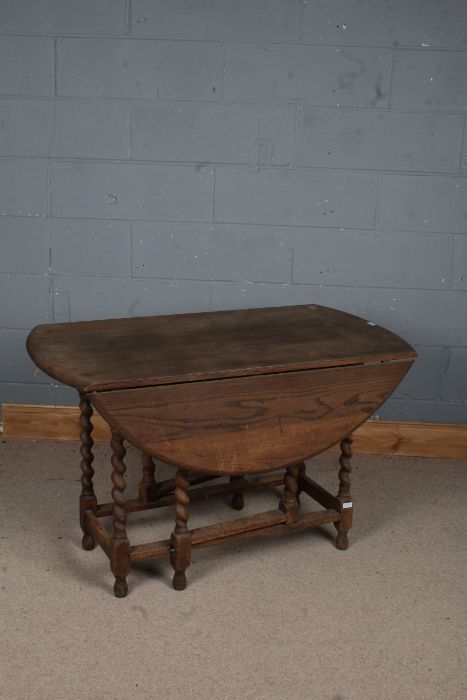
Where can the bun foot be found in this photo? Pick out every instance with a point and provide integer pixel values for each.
(237, 501)
(120, 587)
(342, 541)
(179, 581)
(88, 542)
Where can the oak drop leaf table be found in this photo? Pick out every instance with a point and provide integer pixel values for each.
(232, 393)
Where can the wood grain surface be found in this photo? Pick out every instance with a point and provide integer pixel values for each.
(147, 351)
(249, 424)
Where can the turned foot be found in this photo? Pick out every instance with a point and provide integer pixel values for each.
(120, 587)
(179, 581)
(88, 542)
(237, 501)
(342, 540)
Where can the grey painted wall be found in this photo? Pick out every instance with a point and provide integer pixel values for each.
(162, 156)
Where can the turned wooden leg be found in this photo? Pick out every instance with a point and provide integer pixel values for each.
(180, 540)
(345, 523)
(148, 486)
(88, 500)
(301, 470)
(120, 546)
(237, 501)
(289, 504)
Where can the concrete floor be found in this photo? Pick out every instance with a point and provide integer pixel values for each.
(286, 618)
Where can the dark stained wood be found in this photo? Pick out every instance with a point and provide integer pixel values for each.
(199, 494)
(301, 472)
(150, 550)
(289, 503)
(249, 424)
(237, 498)
(147, 488)
(147, 351)
(203, 536)
(88, 498)
(180, 540)
(227, 393)
(343, 496)
(220, 531)
(119, 544)
(98, 531)
(161, 548)
(309, 520)
(168, 486)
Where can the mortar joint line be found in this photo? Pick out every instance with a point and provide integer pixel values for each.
(55, 66)
(280, 167)
(52, 300)
(48, 174)
(367, 304)
(279, 42)
(130, 115)
(391, 77)
(213, 207)
(301, 20)
(463, 140)
(127, 16)
(379, 185)
(54, 125)
(211, 296)
(297, 110)
(292, 262)
(453, 249)
(302, 227)
(245, 103)
(222, 86)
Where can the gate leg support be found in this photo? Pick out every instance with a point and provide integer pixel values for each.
(289, 504)
(120, 547)
(301, 470)
(147, 487)
(345, 523)
(87, 500)
(180, 540)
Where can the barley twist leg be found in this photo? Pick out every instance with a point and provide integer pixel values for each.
(87, 499)
(345, 523)
(180, 540)
(120, 546)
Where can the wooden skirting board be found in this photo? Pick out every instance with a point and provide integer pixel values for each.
(401, 438)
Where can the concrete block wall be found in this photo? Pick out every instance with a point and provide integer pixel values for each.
(162, 156)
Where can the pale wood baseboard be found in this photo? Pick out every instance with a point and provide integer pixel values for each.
(401, 438)
(49, 423)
